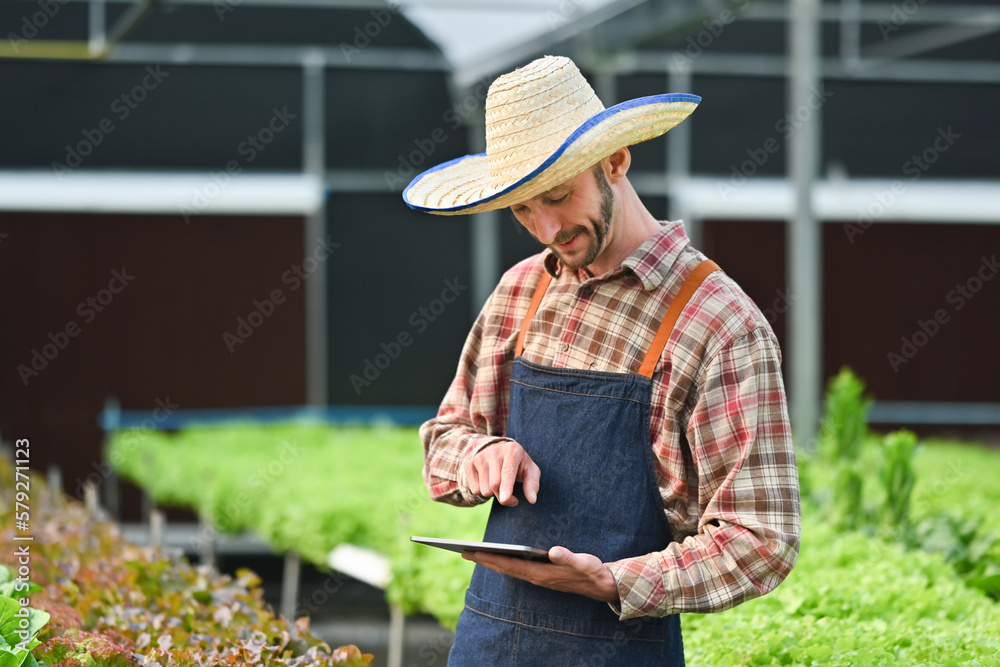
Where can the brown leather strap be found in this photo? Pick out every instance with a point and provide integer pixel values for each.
(689, 287)
(535, 300)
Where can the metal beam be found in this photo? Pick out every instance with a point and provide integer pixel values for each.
(484, 237)
(731, 64)
(928, 39)
(678, 161)
(577, 22)
(314, 230)
(752, 64)
(728, 64)
(606, 86)
(654, 19)
(45, 49)
(929, 412)
(919, 71)
(679, 138)
(939, 201)
(98, 37)
(804, 242)
(850, 31)
(99, 44)
(757, 11)
(491, 5)
(132, 17)
(355, 181)
(264, 55)
(879, 12)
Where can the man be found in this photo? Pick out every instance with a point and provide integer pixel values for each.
(618, 397)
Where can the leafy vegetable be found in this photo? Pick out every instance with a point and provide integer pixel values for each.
(19, 624)
(897, 476)
(899, 536)
(113, 604)
(841, 453)
(310, 488)
(853, 600)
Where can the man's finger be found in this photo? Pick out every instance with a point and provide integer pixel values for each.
(497, 467)
(530, 479)
(559, 555)
(485, 488)
(508, 475)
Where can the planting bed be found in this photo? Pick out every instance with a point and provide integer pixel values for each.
(101, 601)
(310, 488)
(899, 565)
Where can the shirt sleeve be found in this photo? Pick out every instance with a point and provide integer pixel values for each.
(470, 418)
(748, 495)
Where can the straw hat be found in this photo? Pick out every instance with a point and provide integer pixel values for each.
(544, 125)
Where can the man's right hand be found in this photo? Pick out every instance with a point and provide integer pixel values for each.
(493, 471)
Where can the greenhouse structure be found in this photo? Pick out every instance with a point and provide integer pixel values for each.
(201, 213)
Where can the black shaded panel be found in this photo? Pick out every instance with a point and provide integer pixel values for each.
(725, 31)
(46, 20)
(399, 301)
(236, 22)
(897, 27)
(89, 116)
(740, 129)
(400, 122)
(884, 129)
(516, 241)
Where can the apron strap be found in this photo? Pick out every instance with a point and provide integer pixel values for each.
(535, 300)
(689, 287)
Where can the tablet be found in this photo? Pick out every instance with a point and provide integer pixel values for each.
(515, 550)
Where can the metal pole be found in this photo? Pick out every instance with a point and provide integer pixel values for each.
(484, 237)
(396, 636)
(314, 230)
(679, 151)
(98, 39)
(850, 33)
(804, 244)
(290, 586)
(90, 500)
(55, 483)
(157, 530)
(111, 420)
(207, 546)
(606, 86)
(146, 504)
(486, 246)
(111, 489)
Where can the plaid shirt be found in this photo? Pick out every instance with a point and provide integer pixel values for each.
(720, 436)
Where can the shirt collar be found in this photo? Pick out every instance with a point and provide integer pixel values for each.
(650, 262)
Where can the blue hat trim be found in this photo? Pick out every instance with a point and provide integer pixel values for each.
(667, 98)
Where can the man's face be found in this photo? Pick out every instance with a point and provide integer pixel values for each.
(573, 218)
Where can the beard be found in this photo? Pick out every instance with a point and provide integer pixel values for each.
(597, 234)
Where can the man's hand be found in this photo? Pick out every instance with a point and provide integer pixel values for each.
(583, 574)
(493, 471)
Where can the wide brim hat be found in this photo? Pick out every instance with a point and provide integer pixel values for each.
(544, 125)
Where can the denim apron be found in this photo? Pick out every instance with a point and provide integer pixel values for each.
(589, 434)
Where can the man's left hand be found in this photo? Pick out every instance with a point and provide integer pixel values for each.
(583, 574)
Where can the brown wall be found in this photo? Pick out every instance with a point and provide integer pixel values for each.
(160, 339)
(877, 290)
